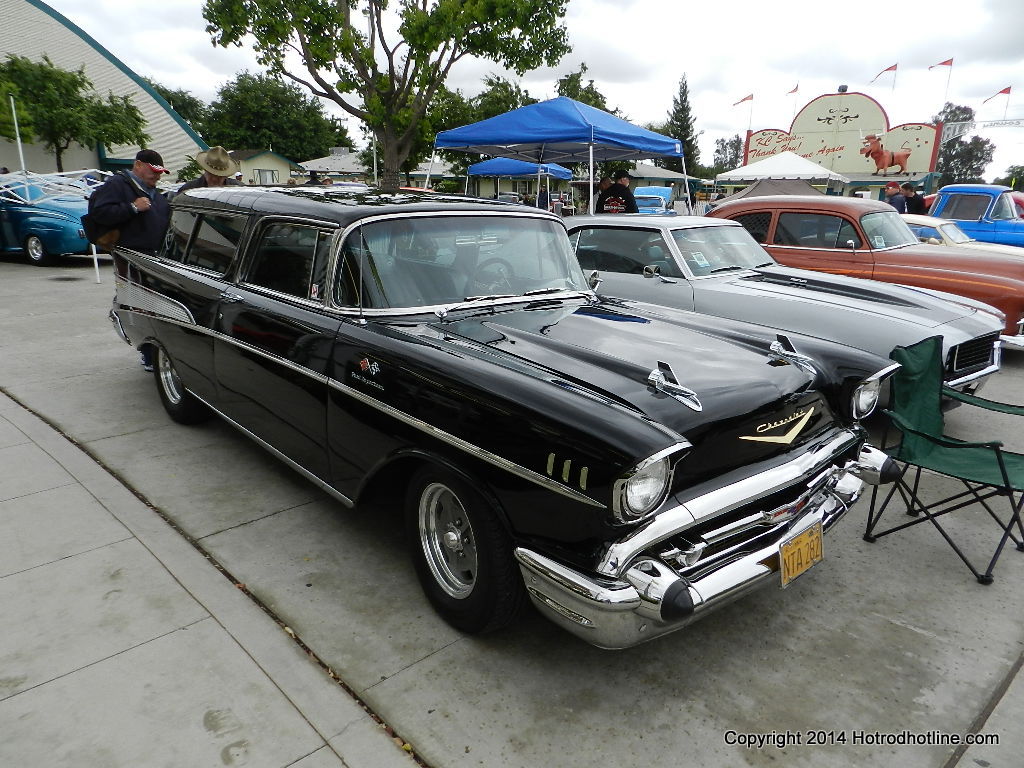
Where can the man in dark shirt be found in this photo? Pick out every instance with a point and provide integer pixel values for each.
(894, 198)
(617, 198)
(914, 202)
(129, 202)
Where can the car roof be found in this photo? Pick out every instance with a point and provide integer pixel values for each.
(336, 205)
(647, 222)
(974, 188)
(812, 202)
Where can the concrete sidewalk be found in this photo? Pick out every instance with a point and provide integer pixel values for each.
(124, 646)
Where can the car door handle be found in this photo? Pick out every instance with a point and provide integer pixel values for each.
(231, 298)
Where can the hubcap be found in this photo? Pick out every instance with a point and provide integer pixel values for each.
(447, 540)
(169, 378)
(34, 246)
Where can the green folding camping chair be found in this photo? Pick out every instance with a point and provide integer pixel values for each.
(985, 469)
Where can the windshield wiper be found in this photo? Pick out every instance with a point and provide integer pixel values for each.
(730, 268)
(766, 264)
(488, 297)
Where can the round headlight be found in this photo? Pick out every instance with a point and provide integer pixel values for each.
(865, 398)
(646, 488)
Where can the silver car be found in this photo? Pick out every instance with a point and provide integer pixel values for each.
(713, 266)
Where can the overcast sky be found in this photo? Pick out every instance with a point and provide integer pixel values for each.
(637, 50)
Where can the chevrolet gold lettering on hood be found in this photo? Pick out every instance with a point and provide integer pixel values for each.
(800, 417)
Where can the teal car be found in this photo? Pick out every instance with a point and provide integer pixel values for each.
(42, 218)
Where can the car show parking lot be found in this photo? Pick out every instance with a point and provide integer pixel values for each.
(888, 651)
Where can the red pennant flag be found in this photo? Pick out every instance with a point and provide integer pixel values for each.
(749, 97)
(887, 69)
(1005, 90)
(946, 63)
(795, 89)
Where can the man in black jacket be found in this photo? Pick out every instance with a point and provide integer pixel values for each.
(617, 198)
(130, 203)
(914, 202)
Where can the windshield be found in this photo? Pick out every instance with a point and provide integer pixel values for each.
(885, 229)
(718, 249)
(431, 261)
(649, 201)
(953, 233)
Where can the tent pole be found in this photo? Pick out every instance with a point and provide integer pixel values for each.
(590, 205)
(686, 182)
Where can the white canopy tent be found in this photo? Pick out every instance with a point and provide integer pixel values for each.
(784, 165)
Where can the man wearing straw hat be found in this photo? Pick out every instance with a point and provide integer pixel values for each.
(218, 170)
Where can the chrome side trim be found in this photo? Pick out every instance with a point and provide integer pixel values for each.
(975, 376)
(150, 301)
(458, 442)
(264, 444)
(721, 500)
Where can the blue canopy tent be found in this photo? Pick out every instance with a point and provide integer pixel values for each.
(557, 131)
(504, 166)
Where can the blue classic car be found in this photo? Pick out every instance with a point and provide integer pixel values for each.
(986, 212)
(654, 200)
(42, 216)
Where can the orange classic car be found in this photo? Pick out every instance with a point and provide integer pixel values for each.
(868, 239)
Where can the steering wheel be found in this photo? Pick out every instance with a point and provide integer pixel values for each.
(491, 276)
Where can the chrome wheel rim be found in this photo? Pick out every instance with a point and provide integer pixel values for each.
(34, 247)
(447, 540)
(169, 379)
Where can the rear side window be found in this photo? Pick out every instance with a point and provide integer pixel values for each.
(965, 207)
(291, 259)
(178, 233)
(215, 242)
(756, 224)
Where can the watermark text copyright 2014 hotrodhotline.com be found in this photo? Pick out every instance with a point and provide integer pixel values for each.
(854, 738)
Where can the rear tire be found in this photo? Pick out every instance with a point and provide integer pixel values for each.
(462, 553)
(179, 403)
(36, 252)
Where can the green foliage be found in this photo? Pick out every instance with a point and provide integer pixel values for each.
(190, 170)
(572, 86)
(264, 112)
(500, 95)
(7, 127)
(962, 160)
(728, 154)
(679, 125)
(347, 57)
(63, 108)
(1014, 177)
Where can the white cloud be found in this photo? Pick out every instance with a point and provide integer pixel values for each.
(636, 51)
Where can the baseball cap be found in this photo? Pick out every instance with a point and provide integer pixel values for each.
(892, 185)
(152, 158)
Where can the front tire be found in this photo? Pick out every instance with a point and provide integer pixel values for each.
(36, 251)
(179, 403)
(462, 553)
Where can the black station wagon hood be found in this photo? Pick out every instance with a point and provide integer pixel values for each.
(613, 352)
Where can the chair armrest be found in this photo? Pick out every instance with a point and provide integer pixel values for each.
(904, 426)
(981, 402)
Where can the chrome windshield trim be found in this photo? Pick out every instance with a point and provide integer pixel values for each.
(458, 442)
(721, 500)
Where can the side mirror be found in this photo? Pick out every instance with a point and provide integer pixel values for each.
(851, 245)
(652, 271)
(594, 280)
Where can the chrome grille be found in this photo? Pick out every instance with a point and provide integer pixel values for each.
(976, 353)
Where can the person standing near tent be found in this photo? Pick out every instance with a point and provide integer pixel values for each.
(542, 199)
(617, 198)
(895, 198)
(914, 202)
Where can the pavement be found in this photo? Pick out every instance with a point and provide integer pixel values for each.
(173, 596)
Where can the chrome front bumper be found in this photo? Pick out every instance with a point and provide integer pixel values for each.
(636, 597)
(1013, 341)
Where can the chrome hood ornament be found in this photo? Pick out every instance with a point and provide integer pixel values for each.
(663, 379)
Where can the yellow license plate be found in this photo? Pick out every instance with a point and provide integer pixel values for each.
(799, 553)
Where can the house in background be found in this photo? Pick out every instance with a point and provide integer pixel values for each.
(344, 164)
(262, 166)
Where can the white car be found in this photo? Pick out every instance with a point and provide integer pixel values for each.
(936, 231)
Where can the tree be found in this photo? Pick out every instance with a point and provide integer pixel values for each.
(499, 96)
(388, 84)
(7, 131)
(264, 112)
(572, 86)
(728, 154)
(1014, 177)
(190, 108)
(679, 125)
(960, 160)
(64, 108)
